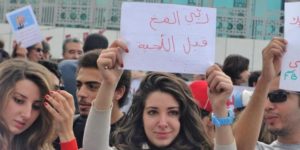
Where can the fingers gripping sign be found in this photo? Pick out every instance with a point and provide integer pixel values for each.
(220, 87)
(272, 57)
(110, 61)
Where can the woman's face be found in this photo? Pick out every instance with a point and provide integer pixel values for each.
(161, 118)
(23, 107)
(36, 54)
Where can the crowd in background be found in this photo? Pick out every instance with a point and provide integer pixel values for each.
(79, 102)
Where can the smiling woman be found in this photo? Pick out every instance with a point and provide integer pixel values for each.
(163, 114)
(24, 120)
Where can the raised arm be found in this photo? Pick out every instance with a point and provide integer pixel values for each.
(110, 63)
(250, 120)
(220, 88)
(18, 51)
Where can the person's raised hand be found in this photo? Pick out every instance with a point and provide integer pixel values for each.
(272, 58)
(110, 62)
(220, 88)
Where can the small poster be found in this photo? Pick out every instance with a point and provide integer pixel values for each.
(24, 26)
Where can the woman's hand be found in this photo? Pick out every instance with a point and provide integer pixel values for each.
(110, 62)
(60, 104)
(220, 89)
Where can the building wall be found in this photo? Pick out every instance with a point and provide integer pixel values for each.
(224, 46)
(253, 19)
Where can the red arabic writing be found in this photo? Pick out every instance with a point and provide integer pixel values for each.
(167, 44)
(294, 64)
(196, 17)
(296, 21)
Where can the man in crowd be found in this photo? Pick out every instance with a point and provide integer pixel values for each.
(279, 109)
(72, 48)
(88, 82)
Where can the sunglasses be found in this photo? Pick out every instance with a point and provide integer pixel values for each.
(38, 49)
(279, 96)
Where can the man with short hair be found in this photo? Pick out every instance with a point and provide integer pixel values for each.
(68, 67)
(279, 109)
(72, 48)
(88, 82)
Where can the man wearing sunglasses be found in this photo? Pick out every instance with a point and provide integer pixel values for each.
(279, 109)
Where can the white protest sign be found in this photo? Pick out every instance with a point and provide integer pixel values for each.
(290, 71)
(24, 26)
(168, 37)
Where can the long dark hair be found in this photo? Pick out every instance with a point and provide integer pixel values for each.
(131, 135)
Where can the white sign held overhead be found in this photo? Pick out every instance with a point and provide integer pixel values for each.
(168, 37)
(24, 26)
(290, 70)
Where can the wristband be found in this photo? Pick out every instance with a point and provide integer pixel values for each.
(218, 122)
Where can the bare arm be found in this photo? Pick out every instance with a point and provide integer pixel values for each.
(109, 63)
(250, 120)
(220, 88)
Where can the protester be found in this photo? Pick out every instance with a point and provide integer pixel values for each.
(33, 53)
(278, 108)
(95, 41)
(88, 80)
(236, 67)
(29, 117)
(253, 78)
(163, 113)
(72, 49)
(68, 67)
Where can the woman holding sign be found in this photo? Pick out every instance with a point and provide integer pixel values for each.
(32, 53)
(163, 114)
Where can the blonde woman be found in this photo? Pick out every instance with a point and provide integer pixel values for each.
(29, 117)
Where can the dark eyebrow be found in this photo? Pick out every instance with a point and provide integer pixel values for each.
(152, 107)
(88, 82)
(175, 107)
(91, 82)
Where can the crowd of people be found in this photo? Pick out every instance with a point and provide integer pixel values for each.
(77, 102)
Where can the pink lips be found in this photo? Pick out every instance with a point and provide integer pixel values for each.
(162, 135)
(20, 124)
